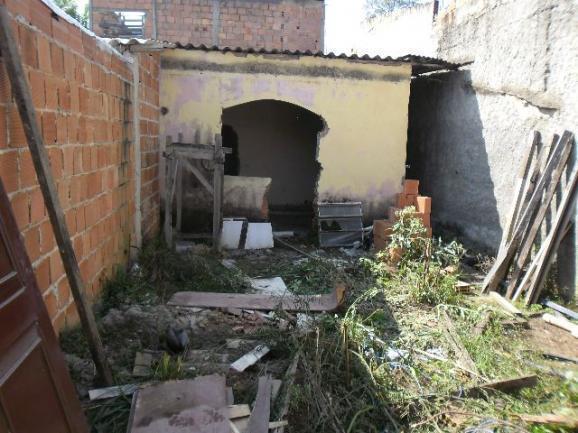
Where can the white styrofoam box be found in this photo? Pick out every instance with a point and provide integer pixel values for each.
(231, 234)
(259, 236)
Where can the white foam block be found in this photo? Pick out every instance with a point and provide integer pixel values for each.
(231, 234)
(259, 236)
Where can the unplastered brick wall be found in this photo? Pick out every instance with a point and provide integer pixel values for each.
(82, 90)
(269, 24)
(149, 69)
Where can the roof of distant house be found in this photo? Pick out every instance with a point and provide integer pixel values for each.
(420, 64)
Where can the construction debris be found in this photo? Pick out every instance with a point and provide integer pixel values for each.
(502, 302)
(559, 308)
(250, 358)
(177, 406)
(561, 322)
(536, 189)
(259, 419)
(113, 391)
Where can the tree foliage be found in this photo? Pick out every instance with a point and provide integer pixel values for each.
(376, 8)
(71, 8)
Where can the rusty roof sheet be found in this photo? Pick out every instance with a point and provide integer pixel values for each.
(420, 64)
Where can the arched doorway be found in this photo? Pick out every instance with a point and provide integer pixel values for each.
(279, 140)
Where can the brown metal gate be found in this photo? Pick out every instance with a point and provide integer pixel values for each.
(36, 393)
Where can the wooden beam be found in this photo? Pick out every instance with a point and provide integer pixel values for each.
(530, 235)
(328, 302)
(198, 174)
(179, 194)
(537, 272)
(521, 186)
(218, 183)
(259, 419)
(23, 100)
(173, 165)
(500, 268)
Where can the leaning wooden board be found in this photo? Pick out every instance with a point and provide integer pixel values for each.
(329, 302)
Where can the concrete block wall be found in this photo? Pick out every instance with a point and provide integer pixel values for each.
(468, 129)
(82, 94)
(269, 24)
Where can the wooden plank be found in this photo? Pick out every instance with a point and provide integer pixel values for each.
(285, 398)
(198, 174)
(173, 166)
(23, 99)
(550, 419)
(179, 196)
(182, 399)
(522, 182)
(259, 419)
(502, 302)
(504, 385)
(218, 181)
(562, 323)
(329, 302)
(530, 235)
(502, 263)
(464, 358)
(538, 270)
(557, 232)
(238, 411)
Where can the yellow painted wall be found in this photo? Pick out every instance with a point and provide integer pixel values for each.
(364, 105)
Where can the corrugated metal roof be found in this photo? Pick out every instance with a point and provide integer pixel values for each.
(420, 64)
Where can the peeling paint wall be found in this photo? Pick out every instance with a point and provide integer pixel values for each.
(364, 105)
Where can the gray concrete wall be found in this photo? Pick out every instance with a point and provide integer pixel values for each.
(468, 129)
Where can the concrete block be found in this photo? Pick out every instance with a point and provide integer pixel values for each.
(400, 200)
(411, 200)
(425, 218)
(382, 229)
(423, 204)
(411, 186)
(259, 236)
(379, 244)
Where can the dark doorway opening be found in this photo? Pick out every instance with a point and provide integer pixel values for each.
(279, 140)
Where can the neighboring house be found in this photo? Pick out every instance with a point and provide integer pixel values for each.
(269, 24)
(324, 128)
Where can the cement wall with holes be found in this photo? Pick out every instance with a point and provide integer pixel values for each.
(469, 129)
(357, 112)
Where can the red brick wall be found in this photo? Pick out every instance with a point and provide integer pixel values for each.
(81, 91)
(270, 24)
(149, 69)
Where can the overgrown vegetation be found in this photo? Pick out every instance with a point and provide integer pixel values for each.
(162, 272)
(387, 365)
(384, 363)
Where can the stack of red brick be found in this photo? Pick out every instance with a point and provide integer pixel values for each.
(382, 229)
